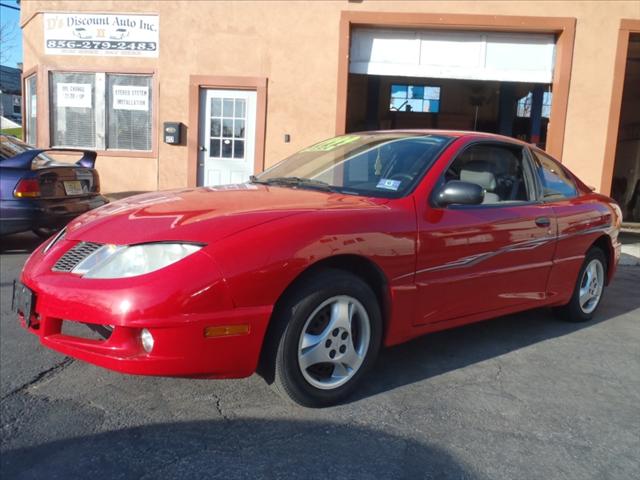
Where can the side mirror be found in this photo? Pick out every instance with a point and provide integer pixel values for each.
(458, 192)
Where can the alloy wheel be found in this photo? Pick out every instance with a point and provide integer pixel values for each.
(334, 342)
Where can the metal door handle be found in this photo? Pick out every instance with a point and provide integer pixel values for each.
(202, 149)
(543, 221)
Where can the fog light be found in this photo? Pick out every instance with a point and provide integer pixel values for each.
(147, 340)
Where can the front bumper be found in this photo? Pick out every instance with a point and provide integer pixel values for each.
(181, 350)
(176, 304)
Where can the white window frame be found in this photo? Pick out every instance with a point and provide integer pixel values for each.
(100, 109)
(28, 107)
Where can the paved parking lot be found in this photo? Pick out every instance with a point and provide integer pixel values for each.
(524, 396)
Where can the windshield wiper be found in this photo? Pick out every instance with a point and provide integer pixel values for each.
(294, 182)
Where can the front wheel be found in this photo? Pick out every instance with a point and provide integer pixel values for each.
(332, 336)
(589, 288)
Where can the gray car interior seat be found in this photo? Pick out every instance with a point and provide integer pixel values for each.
(480, 173)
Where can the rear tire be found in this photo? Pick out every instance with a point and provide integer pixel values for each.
(330, 331)
(589, 288)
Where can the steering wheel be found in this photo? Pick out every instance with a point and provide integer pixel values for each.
(401, 176)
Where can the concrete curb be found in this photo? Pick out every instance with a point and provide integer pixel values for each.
(630, 255)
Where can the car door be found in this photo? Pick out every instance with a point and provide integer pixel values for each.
(489, 257)
(581, 219)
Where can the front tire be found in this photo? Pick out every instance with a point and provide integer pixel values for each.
(331, 333)
(589, 288)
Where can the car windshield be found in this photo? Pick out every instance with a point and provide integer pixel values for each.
(371, 164)
(10, 147)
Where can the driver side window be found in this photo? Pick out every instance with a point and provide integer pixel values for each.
(498, 169)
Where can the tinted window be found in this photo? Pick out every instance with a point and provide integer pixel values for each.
(556, 183)
(498, 169)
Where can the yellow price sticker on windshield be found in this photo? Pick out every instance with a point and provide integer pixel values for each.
(332, 143)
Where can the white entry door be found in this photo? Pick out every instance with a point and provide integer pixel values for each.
(227, 136)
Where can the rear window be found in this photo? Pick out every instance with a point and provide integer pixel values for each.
(10, 147)
(556, 182)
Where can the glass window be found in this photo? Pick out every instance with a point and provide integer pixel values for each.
(73, 115)
(496, 168)
(129, 112)
(524, 105)
(556, 182)
(101, 111)
(31, 105)
(379, 164)
(414, 98)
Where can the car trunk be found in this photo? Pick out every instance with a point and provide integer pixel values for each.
(64, 182)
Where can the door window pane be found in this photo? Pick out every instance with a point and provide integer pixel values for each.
(238, 130)
(226, 148)
(499, 170)
(227, 127)
(129, 109)
(216, 107)
(238, 149)
(215, 127)
(214, 150)
(227, 107)
(239, 108)
(73, 119)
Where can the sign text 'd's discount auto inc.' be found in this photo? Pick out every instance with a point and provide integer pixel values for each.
(101, 34)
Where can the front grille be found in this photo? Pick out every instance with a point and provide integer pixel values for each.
(75, 255)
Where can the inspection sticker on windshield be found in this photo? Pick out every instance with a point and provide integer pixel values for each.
(388, 184)
(332, 143)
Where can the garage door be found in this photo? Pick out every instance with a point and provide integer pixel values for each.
(512, 57)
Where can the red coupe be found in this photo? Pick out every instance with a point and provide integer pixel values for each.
(303, 273)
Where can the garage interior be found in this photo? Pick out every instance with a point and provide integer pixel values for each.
(479, 81)
(625, 187)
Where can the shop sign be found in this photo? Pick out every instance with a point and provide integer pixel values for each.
(101, 34)
(129, 97)
(76, 95)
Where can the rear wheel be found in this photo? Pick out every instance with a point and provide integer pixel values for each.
(589, 288)
(331, 337)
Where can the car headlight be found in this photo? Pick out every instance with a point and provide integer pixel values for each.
(119, 261)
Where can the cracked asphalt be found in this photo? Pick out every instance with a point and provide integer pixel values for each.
(523, 396)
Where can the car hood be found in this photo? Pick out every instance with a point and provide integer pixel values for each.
(203, 214)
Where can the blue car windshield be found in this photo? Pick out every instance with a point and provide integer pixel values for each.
(387, 164)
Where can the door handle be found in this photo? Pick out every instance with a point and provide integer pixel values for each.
(543, 221)
(202, 149)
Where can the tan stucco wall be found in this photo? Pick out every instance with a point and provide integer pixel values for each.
(295, 45)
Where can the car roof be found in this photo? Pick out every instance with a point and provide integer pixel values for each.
(452, 134)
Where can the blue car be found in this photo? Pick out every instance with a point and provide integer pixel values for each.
(39, 194)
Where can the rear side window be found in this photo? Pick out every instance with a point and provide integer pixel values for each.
(556, 183)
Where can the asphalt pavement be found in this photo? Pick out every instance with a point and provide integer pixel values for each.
(519, 397)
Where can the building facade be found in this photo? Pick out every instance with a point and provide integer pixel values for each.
(176, 94)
